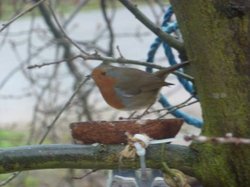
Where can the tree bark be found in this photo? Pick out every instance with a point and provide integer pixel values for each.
(216, 35)
(92, 157)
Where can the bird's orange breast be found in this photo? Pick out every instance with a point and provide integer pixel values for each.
(106, 86)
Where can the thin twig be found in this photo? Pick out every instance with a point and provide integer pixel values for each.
(62, 110)
(87, 174)
(9, 76)
(75, 12)
(108, 21)
(63, 32)
(173, 42)
(10, 178)
(17, 96)
(174, 108)
(5, 25)
(169, 110)
(96, 56)
(179, 106)
(119, 51)
(52, 63)
(154, 12)
(227, 139)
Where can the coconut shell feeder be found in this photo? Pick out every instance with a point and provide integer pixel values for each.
(113, 132)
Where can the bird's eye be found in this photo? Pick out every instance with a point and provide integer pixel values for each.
(103, 73)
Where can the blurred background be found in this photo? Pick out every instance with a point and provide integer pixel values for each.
(31, 98)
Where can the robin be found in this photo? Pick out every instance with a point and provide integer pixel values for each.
(130, 89)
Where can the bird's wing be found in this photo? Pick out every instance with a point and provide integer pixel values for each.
(133, 81)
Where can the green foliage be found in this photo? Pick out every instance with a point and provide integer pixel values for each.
(9, 138)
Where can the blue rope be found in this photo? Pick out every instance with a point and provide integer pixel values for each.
(156, 44)
(151, 53)
(168, 15)
(170, 27)
(171, 59)
(179, 114)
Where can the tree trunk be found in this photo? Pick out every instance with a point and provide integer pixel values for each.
(217, 40)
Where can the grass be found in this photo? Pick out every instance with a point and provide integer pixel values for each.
(10, 138)
(10, 8)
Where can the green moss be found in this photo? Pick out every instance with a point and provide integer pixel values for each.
(219, 47)
(213, 165)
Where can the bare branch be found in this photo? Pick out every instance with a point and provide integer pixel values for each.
(227, 139)
(109, 27)
(63, 33)
(81, 156)
(61, 111)
(20, 15)
(87, 174)
(112, 60)
(150, 25)
(74, 13)
(52, 63)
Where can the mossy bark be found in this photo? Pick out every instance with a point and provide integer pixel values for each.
(217, 40)
(92, 157)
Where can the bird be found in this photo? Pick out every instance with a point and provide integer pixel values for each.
(130, 89)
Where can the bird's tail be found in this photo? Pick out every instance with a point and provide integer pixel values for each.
(163, 73)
